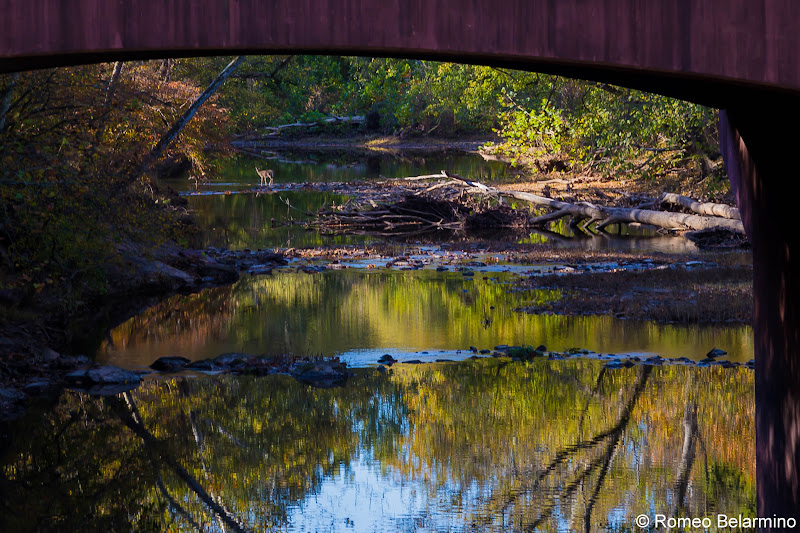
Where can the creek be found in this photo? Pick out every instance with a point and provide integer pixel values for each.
(482, 444)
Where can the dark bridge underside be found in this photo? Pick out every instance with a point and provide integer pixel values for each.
(710, 51)
(742, 56)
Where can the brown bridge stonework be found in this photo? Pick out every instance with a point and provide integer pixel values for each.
(742, 56)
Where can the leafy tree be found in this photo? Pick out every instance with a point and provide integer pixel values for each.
(71, 189)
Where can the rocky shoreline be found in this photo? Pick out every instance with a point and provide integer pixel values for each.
(36, 350)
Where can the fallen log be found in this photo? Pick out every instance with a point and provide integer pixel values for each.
(409, 217)
(605, 216)
(421, 211)
(706, 208)
(426, 177)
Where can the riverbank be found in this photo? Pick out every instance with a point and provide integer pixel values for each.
(38, 333)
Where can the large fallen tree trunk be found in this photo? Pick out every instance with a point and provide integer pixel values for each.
(176, 128)
(710, 209)
(605, 216)
(441, 206)
(276, 131)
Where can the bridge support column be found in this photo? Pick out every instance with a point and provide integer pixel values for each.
(763, 165)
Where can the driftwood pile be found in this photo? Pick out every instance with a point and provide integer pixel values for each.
(408, 217)
(454, 204)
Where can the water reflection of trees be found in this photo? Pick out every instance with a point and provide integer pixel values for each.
(609, 443)
(509, 446)
(340, 311)
(333, 312)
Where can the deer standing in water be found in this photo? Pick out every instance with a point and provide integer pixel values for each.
(265, 175)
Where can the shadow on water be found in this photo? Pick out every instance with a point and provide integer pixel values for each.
(483, 445)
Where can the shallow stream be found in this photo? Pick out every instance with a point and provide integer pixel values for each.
(475, 445)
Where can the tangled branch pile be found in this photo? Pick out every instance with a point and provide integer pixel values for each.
(407, 217)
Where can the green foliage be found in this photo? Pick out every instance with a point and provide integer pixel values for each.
(608, 128)
(538, 116)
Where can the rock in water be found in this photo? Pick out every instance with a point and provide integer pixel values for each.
(204, 365)
(103, 375)
(231, 357)
(170, 364)
(103, 380)
(716, 352)
(321, 374)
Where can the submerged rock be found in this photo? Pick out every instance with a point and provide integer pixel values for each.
(231, 358)
(205, 365)
(322, 374)
(716, 352)
(11, 395)
(170, 364)
(98, 375)
(11, 403)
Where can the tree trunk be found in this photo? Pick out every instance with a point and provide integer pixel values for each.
(710, 209)
(112, 83)
(176, 128)
(605, 216)
(5, 99)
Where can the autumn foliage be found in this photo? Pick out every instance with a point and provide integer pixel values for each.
(71, 185)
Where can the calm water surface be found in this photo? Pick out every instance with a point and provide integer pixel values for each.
(239, 221)
(482, 445)
(478, 445)
(360, 315)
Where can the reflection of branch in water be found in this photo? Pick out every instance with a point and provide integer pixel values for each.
(592, 394)
(611, 452)
(128, 413)
(625, 415)
(690, 431)
(605, 460)
(200, 441)
(174, 505)
(615, 433)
